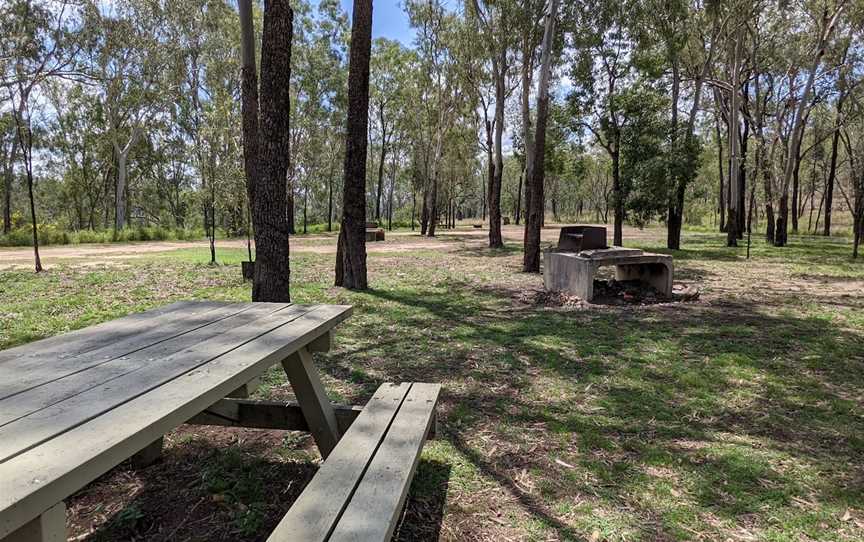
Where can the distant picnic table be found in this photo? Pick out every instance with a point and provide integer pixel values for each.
(76, 405)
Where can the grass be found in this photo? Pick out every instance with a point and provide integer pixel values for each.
(737, 417)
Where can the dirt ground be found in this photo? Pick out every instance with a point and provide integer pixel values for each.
(731, 416)
(397, 241)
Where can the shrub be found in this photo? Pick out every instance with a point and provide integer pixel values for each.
(50, 234)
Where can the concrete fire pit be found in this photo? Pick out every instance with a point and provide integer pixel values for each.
(574, 272)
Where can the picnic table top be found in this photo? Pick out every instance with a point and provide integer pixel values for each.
(74, 406)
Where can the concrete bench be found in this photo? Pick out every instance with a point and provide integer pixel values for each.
(360, 489)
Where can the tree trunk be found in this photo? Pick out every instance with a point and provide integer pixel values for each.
(424, 210)
(517, 205)
(270, 220)
(675, 213)
(500, 73)
(37, 260)
(534, 220)
(769, 205)
(742, 179)
(734, 218)
(351, 267)
(781, 231)
(289, 207)
(380, 191)
(25, 140)
(330, 200)
(413, 206)
(722, 191)
(858, 219)
(249, 100)
(393, 171)
(832, 174)
(796, 191)
(527, 131)
(8, 177)
(617, 194)
(490, 172)
(432, 206)
(120, 191)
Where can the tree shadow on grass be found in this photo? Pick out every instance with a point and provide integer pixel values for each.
(202, 491)
(424, 508)
(721, 396)
(198, 491)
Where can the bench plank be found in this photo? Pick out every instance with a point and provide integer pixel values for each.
(377, 503)
(316, 511)
(27, 371)
(48, 473)
(29, 431)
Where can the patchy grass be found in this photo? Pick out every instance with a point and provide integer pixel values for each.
(737, 417)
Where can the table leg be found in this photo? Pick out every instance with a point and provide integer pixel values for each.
(149, 455)
(49, 527)
(247, 389)
(313, 400)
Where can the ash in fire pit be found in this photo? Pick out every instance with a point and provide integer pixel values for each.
(573, 265)
(614, 292)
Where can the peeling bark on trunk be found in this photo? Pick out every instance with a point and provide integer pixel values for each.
(832, 173)
(534, 219)
(796, 192)
(734, 219)
(249, 102)
(383, 156)
(499, 71)
(8, 176)
(527, 129)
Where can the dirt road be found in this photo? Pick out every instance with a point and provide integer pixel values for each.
(398, 241)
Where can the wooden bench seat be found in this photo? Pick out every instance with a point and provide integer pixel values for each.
(359, 491)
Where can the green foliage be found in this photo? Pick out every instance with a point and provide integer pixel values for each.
(49, 234)
(645, 160)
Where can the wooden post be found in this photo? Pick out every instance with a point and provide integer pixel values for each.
(247, 389)
(322, 344)
(313, 400)
(49, 527)
(149, 455)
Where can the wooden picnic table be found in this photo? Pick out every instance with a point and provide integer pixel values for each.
(76, 405)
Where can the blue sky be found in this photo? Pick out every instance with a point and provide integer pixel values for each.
(388, 20)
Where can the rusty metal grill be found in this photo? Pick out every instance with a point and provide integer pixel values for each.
(579, 238)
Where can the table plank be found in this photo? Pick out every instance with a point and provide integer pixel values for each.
(30, 430)
(36, 480)
(65, 387)
(23, 373)
(81, 340)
